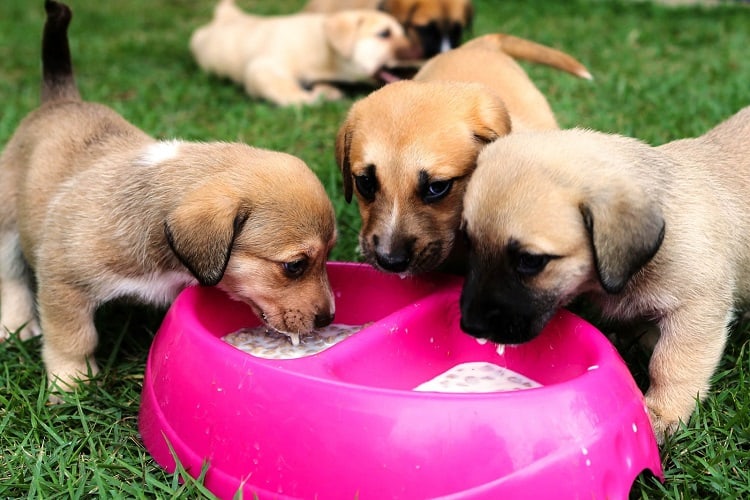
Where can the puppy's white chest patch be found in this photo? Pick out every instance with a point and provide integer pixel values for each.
(154, 288)
(159, 152)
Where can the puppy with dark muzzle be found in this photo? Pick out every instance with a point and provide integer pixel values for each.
(433, 26)
(660, 234)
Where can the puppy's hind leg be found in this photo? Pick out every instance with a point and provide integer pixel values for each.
(66, 315)
(684, 360)
(16, 295)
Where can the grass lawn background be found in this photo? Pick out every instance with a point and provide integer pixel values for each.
(660, 74)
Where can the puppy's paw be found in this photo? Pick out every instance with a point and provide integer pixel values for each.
(67, 377)
(55, 398)
(665, 420)
(30, 330)
(24, 329)
(326, 92)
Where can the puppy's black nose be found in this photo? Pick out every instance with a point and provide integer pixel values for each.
(323, 319)
(396, 262)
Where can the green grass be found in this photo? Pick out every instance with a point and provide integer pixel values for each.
(659, 74)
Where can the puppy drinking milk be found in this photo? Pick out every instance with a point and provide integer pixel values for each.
(432, 25)
(95, 209)
(408, 149)
(654, 233)
(296, 59)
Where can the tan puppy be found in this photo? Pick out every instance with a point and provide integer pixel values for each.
(433, 25)
(661, 234)
(408, 149)
(294, 59)
(95, 209)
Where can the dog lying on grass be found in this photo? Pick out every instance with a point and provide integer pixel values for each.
(298, 59)
(95, 209)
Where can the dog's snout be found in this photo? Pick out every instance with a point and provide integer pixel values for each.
(393, 257)
(499, 326)
(501, 309)
(395, 262)
(323, 319)
(474, 328)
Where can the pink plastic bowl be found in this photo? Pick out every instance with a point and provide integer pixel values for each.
(345, 423)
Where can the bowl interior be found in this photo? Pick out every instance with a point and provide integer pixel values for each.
(412, 334)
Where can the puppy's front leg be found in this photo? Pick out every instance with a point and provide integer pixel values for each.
(69, 334)
(16, 296)
(684, 359)
(269, 80)
(327, 92)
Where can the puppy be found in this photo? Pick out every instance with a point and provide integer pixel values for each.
(291, 60)
(655, 233)
(432, 25)
(408, 149)
(95, 209)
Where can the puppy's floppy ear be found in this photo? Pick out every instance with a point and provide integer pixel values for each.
(201, 231)
(491, 118)
(341, 31)
(625, 233)
(343, 148)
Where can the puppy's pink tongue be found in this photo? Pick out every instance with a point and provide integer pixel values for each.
(386, 76)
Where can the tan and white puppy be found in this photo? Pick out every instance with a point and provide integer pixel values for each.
(408, 149)
(654, 233)
(296, 59)
(94, 209)
(432, 25)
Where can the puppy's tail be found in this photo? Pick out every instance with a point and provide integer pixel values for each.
(520, 48)
(226, 9)
(58, 82)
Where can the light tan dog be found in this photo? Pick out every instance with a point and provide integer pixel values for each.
(408, 149)
(296, 59)
(432, 25)
(95, 209)
(655, 233)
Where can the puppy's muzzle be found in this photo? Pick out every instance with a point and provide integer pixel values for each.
(395, 259)
(498, 325)
(323, 319)
(504, 313)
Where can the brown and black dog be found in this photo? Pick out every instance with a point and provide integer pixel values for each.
(433, 26)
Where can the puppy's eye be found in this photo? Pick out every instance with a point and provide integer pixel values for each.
(386, 33)
(295, 268)
(437, 190)
(367, 185)
(530, 264)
